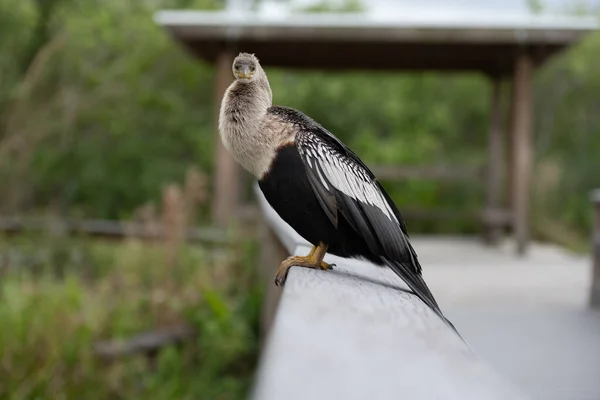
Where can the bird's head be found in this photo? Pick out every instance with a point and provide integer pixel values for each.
(246, 68)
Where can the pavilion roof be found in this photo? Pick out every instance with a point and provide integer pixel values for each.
(410, 41)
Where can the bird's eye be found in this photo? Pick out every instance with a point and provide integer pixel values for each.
(252, 67)
(236, 67)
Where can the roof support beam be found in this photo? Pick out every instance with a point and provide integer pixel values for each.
(493, 230)
(522, 149)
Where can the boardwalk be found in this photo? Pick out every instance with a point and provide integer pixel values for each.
(537, 305)
(461, 272)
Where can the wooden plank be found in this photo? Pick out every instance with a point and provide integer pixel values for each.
(522, 150)
(497, 217)
(356, 333)
(435, 172)
(508, 143)
(107, 229)
(492, 231)
(227, 174)
(146, 343)
(595, 287)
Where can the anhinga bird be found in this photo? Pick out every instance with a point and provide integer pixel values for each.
(314, 182)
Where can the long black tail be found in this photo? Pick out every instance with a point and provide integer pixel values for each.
(418, 286)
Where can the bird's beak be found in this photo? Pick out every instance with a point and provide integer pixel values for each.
(244, 72)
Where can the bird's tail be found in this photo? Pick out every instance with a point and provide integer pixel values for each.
(418, 286)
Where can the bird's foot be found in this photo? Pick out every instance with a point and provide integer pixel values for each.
(313, 260)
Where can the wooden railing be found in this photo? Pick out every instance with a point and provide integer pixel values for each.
(148, 344)
(595, 289)
(437, 172)
(108, 229)
(356, 333)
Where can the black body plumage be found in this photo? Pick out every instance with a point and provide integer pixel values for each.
(327, 194)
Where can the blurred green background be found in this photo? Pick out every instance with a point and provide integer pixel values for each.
(100, 111)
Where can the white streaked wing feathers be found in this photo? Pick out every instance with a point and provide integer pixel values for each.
(337, 170)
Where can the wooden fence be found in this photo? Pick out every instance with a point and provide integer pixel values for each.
(108, 229)
(148, 344)
(493, 217)
(356, 333)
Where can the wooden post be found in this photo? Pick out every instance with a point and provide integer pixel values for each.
(272, 253)
(522, 150)
(595, 290)
(508, 145)
(493, 230)
(226, 177)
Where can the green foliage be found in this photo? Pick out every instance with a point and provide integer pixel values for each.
(114, 102)
(110, 110)
(568, 132)
(50, 323)
(16, 28)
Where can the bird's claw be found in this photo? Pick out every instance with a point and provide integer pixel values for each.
(327, 267)
(284, 268)
(280, 280)
(299, 261)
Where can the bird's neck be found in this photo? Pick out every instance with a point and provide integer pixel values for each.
(243, 109)
(249, 97)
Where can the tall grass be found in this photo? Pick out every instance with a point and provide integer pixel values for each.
(60, 296)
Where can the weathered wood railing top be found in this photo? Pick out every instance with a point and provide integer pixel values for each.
(355, 333)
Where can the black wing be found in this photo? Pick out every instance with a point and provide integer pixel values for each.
(346, 188)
